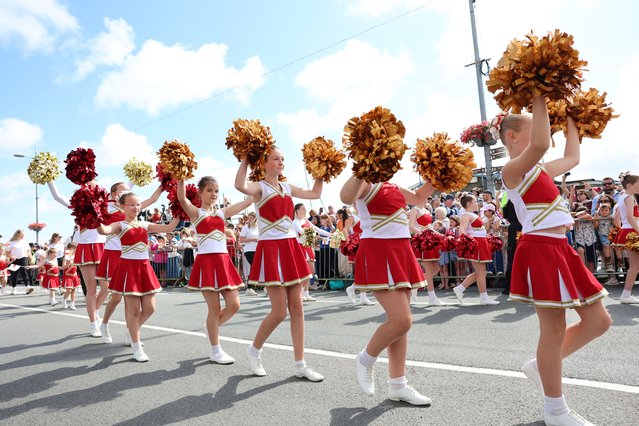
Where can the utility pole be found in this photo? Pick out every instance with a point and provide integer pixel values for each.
(480, 90)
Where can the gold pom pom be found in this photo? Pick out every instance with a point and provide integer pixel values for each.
(549, 66)
(177, 160)
(375, 143)
(322, 159)
(43, 168)
(138, 172)
(336, 239)
(250, 139)
(309, 237)
(632, 242)
(447, 165)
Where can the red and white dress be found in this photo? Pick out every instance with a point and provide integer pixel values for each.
(385, 259)
(300, 225)
(425, 220)
(279, 259)
(355, 229)
(213, 269)
(476, 229)
(70, 278)
(547, 271)
(134, 275)
(112, 247)
(4, 264)
(51, 278)
(90, 247)
(626, 227)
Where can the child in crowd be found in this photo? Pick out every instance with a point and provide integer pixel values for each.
(70, 279)
(51, 280)
(585, 237)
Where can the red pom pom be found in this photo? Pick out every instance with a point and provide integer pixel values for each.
(494, 242)
(448, 243)
(167, 182)
(430, 240)
(350, 246)
(80, 168)
(89, 204)
(466, 247)
(174, 205)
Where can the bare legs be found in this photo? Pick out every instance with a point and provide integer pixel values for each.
(138, 309)
(218, 315)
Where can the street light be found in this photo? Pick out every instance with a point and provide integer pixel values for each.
(36, 197)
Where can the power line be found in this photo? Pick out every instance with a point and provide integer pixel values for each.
(286, 65)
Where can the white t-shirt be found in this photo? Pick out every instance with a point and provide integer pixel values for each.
(19, 249)
(250, 232)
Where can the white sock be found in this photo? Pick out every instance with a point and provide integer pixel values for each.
(362, 295)
(136, 346)
(306, 293)
(555, 406)
(300, 364)
(398, 383)
(483, 296)
(432, 295)
(254, 351)
(366, 359)
(461, 287)
(625, 293)
(217, 349)
(95, 324)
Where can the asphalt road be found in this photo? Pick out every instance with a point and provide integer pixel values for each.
(466, 358)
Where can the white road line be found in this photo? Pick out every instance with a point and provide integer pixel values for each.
(421, 364)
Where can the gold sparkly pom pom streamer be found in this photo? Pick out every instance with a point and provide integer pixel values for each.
(375, 142)
(447, 165)
(549, 66)
(44, 168)
(322, 159)
(632, 242)
(138, 172)
(177, 160)
(251, 140)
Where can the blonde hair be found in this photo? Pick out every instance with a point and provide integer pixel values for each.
(514, 122)
(15, 234)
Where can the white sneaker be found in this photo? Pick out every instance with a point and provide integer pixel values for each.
(13, 291)
(250, 292)
(366, 301)
(436, 302)
(364, 377)
(308, 373)
(66, 304)
(29, 289)
(488, 302)
(53, 302)
(459, 294)
(310, 298)
(95, 330)
(413, 296)
(408, 394)
(568, 419)
(255, 363)
(72, 306)
(140, 356)
(350, 292)
(222, 358)
(1, 291)
(532, 373)
(631, 300)
(264, 293)
(106, 335)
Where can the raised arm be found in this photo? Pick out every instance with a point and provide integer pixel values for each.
(114, 228)
(188, 207)
(152, 199)
(234, 209)
(168, 227)
(57, 196)
(244, 186)
(308, 194)
(571, 153)
(353, 189)
(418, 196)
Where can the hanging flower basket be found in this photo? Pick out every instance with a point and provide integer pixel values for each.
(478, 134)
(37, 226)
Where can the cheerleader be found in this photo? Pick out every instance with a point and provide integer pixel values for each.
(547, 272)
(279, 261)
(70, 279)
(471, 224)
(87, 256)
(134, 278)
(352, 225)
(420, 219)
(213, 272)
(51, 280)
(4, 272)
(387, 266)
(300, 224)
(628, 203)
(112, 253)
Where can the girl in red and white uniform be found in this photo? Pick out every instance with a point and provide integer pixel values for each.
(547, 272)
(353, 226)
(213, 272)
(299, 224)
(87, 257)
(51, 280)
(70, 278)
(134, 278)
(113, 251)
(628, 203)
(473, 225)
(387, 266)
(420, 219)
(279, 261)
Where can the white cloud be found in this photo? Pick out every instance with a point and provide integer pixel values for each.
(118, 145)
(107, 48)
(161, 76)
(375, 8)
(36, 25)
(18, 135)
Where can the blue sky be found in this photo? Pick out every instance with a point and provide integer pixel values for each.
(122, 77)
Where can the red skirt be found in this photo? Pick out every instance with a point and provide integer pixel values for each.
(483, 254)
(309, 253)
(279, 263)
(428, 255)
(72, 281)
(134, 277)
(387, 264)
(88, 254)
(51, 281)
(214, 272)
(549, 273)
(108, 264)
(622, 236)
